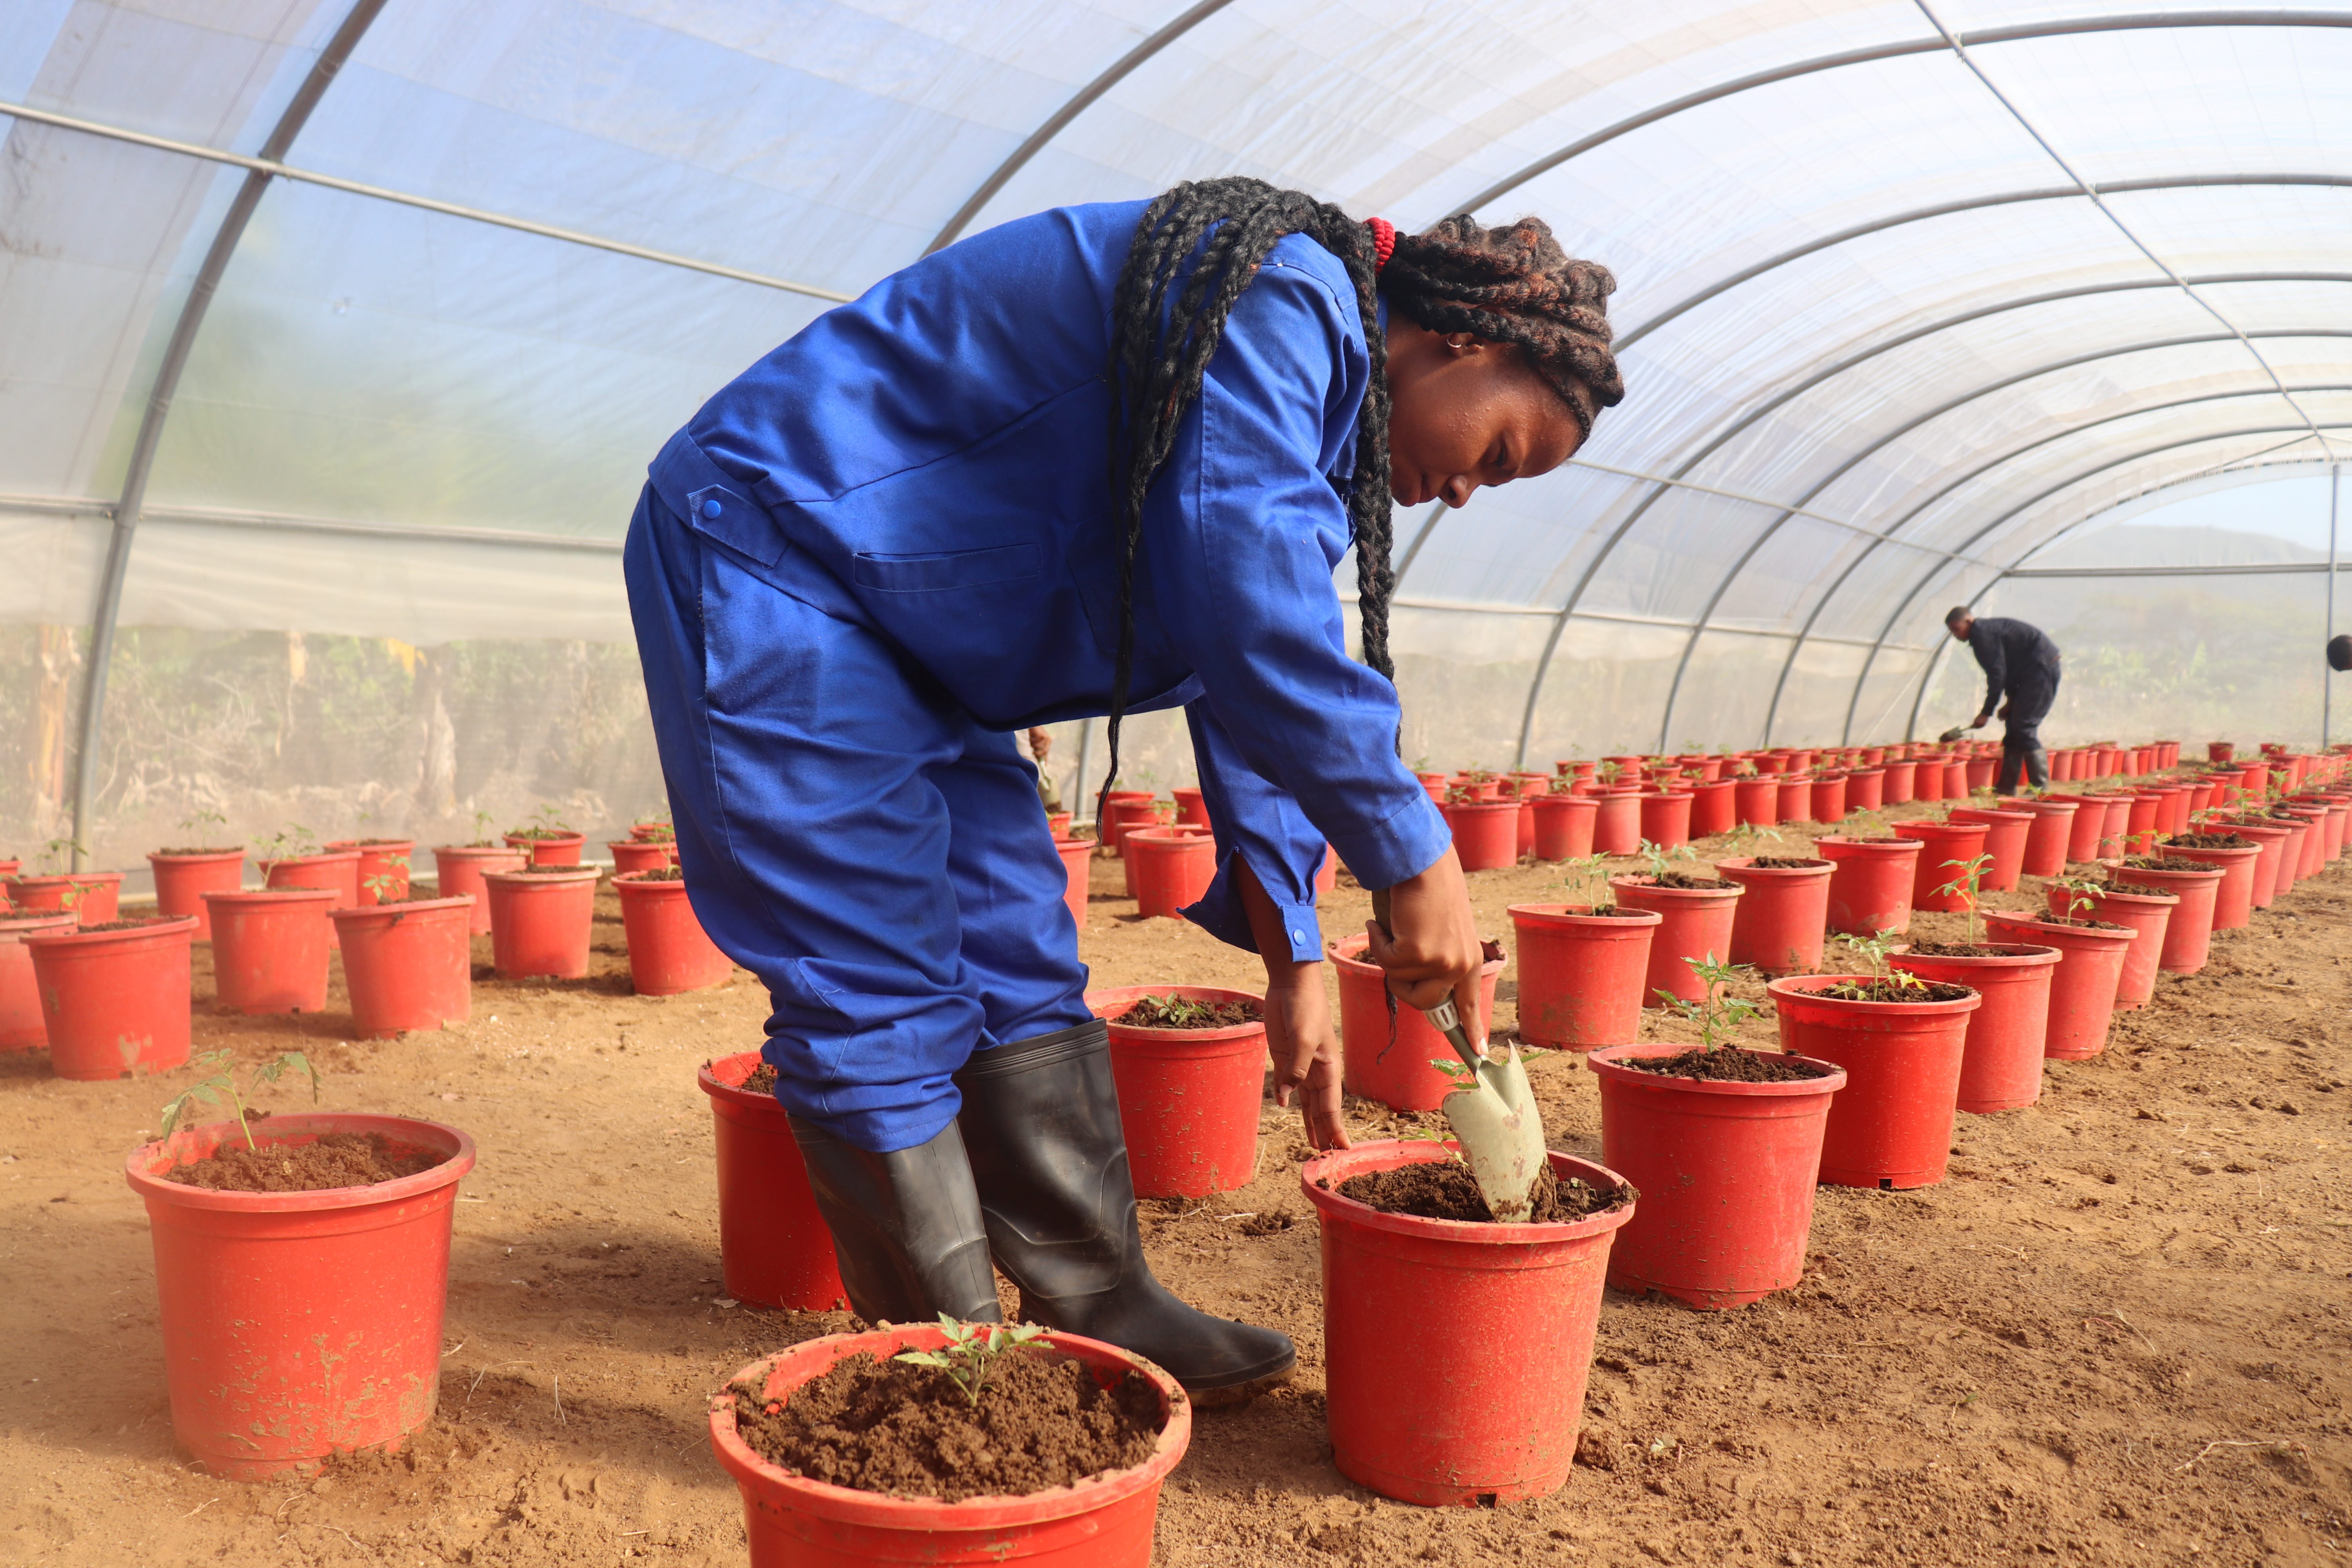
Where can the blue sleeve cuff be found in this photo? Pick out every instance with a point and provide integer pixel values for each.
(1407, 843)
(1221, 914)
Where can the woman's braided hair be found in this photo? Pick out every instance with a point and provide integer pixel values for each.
(1512, 286)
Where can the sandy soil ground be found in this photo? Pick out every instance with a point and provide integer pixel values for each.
(2116, 1335)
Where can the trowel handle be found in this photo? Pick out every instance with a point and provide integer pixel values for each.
(1445, 1019)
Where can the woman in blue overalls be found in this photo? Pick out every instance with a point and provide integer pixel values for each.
(1100, 460)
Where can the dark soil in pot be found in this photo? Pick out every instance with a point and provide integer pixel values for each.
(2157, 863)
(661, 874)
(2076, 921)
(1790, 862)
(1610, 910)
(1958, 950)
(1181, 1013)
(129, 925)
(2208, 841)
(337, 1160)
(1895, 991)
(1683, 880)
(1445, 1189)
(203, 849)
(549, 870)
(1730, 1064)
(1041, 1422)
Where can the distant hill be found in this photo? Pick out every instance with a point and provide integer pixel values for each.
(2137, 545)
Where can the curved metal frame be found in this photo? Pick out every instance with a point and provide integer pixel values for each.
(241, 209)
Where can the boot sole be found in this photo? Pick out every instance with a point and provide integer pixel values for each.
(1234, 1394)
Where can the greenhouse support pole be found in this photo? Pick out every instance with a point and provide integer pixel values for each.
(159, 407)
(2326, 684)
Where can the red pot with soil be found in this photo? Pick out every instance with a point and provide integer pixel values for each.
(1696, 916)
(1191, 808)
(2267, 879)
(1891, 1125)
(2188, 934)
(1172, 868)
(773, 1247)
(1715, 807)
(1725, 1166)
(1666, 819)
(1388, 1053)
(633, 855)
(1897, 789)
(2000, 1066)
(301, 1324)
(2148, 911)
(1617, 822)
(1778, 922)
(1421, 1407)
(338, 871)
(1485, 833)
(1870, 883)
(21, 1028)
(1865, 789)
(2005, 834)
(94, 896)
(2046, 839)
(1757, 801)
(548, 846)
(1945, 847)
(1564, 826)
(1127, 808)
(1077, 861)
(1928, 779)
(1828, 798)
(1057, 823)
(1582, 974)
(2083, 987)
(669, 953)
(381, 859)
(183, 877)
(2314, 839)
(539, 919)
(1190, 1070)
(269, 949)
(1103, 1519)
(409, 964)
(115, 998)
(460, 867)
(1796, 802)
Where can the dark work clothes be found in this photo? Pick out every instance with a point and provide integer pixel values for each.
(2017, 659)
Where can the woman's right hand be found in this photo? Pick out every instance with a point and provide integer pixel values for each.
(1431, 948)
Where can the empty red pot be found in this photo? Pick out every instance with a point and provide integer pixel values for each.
(2188, 934)
(1564, 826)
(1757, 801)
(1485, 833)
(20, 995)
(1928, 779)
(1387, 1053)
(269, 949)
(1171, 867)
(633, 855)
(1778, 923)
(1715, 807)
(1796, 802)
(1694, 922)
(1726, 1172)
(2148, 911)
(182, 879)
(1865, 789)
(459, 868)
(2005, 833)
(773, 1247)
(669, 953)
(383, 861)
(1828, 798)
(549, 848)
(1581, 974)
(93, 896)
(792, 1522)
(408, 965)
(1897, 789)
(539, 920)
(1617, 822)
(115, 1004)
(1870, 883)
(2046, 839)
(1945, 846)
(1891, 1125)
(300, 1325)
(338, 871)
(1666, 819)
(1493, 1414)
(2083, 987)
(1077, 861)
(1188, 1099)
(2000, 1068)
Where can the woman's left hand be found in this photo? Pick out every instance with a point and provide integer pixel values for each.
(1305, 1050)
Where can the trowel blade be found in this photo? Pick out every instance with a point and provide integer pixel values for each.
(1501, 1135)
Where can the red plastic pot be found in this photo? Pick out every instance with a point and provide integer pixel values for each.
(299, 1325)
(1891, 1125)
(411, 965)
(1979, 774)
(1388, 1055)
(669, 953)
(1829, 799)
(2005, 836)
(549, 849)
(2000, 1068)
(1581, 974)
(1726, 1172)
(115, 1004)
(1928, 779)
(269, 949)
(1420, 1410)
(1103, 1521)
(1188, 1099)
(540, 921)
(1666, 819)
(1129, 808)
(1778, 922)
(633, 855)
(2045, 840)
(1870, 883)
(773, 1247)
(2188, 934)
(2233, 895)
(2148, 911)
(21, 1028)
(1617, 822)
(1172, 868)
(183, 880)
(1897, 789)
(1865, 789)
(1945, 847)
(1077, 861)
(1694, 922)
(1715, 807)
(1757, 801)
(1564, 826)
(2313, 841)
(1485, 833)
(2082, 988)
(2267, 880)
(93, 896)
(460, 867)
(338, 871)
(1191, 808)
(380, 858)
(1796, 802)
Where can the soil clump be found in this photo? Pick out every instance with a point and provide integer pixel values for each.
(336, 1160)
(1445, 1189)
(1730, 1064)
(1685, 879)
(1183, 1013)
(1784, 863)
(1895, 991)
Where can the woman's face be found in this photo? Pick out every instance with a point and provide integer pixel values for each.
(1466, 413)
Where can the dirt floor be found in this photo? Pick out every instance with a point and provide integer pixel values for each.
(2116, 1335)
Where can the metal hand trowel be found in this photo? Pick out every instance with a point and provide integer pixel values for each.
(1494, 1116)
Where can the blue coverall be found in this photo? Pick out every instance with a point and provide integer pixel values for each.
(890, 543)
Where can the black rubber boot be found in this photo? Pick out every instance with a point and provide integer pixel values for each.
(2012, 764)
(1041, 1123)
(2037, 768)
(905, 1228)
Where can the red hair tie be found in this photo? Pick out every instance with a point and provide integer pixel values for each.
(1383, 241)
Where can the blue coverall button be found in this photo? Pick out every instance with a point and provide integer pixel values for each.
(1299, 936)
(711, 508)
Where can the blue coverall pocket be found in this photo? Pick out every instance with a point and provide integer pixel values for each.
(931, 572)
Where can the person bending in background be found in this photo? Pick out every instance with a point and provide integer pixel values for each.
(2339, 652)
(2019, 662)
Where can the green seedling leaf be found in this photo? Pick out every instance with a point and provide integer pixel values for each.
(971, 1352)
(1967, 886)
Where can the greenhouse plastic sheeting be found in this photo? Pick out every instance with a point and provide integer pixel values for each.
(1906, 293)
